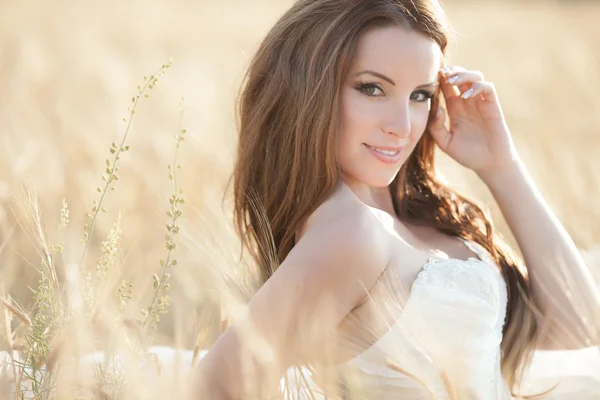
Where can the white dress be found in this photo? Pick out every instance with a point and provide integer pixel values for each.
(447, 340)
(452, 321)
(449, 331)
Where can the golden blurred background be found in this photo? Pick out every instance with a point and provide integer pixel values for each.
(68, 70)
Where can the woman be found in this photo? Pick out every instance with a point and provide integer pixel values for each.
(376, 274)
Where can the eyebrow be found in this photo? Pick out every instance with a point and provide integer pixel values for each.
(385, 78)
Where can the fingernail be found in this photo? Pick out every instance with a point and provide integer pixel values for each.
(445, 69)
(467, 94)
(453, 79)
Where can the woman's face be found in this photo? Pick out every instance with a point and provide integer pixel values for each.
(386, 101)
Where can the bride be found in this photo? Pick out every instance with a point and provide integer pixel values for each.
(376, 276)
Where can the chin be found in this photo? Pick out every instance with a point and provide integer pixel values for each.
(382, 184)
(380, 180)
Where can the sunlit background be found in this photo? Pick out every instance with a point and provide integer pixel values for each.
(69, 69)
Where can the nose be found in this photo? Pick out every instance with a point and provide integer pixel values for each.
(397, 121)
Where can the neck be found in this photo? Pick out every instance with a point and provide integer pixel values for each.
(376, 197)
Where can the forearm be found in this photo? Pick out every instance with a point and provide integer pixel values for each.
(234, 368)
(561, 284)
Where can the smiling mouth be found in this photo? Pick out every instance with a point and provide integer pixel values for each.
(385, 151)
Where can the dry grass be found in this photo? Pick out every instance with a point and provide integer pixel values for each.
(69, 69)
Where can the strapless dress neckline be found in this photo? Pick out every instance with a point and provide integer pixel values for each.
(483, 257)
(449, 331)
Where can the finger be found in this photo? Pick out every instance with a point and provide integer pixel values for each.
(438, 130)
(448, 90)
(484, 88)
(450, 70)
(464, 77)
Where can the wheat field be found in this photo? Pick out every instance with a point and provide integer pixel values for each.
(69, 70)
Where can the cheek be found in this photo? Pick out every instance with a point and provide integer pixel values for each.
(419, 122)
(360, 119)
(356, 113)
(351, 125)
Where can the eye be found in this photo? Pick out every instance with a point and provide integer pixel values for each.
(370, 89)
(421, 96)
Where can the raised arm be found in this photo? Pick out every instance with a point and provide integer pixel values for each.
(562, 285)
(323, 278)
(478, 138)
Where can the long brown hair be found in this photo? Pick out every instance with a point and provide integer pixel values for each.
(289, 112)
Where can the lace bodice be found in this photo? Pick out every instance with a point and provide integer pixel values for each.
(479, 277)
(450, 330)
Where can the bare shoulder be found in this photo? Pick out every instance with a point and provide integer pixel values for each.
(348, 239)
(335, 261)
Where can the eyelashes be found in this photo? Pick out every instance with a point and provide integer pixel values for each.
(374, 90)
(369, 88)
(426, 95)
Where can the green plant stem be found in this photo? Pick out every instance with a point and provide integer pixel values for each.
(171, 235)
(114, 163)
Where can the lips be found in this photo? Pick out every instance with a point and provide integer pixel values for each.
(385, 154)
(384, 149)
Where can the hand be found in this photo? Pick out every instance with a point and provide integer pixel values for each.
(478, 137)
